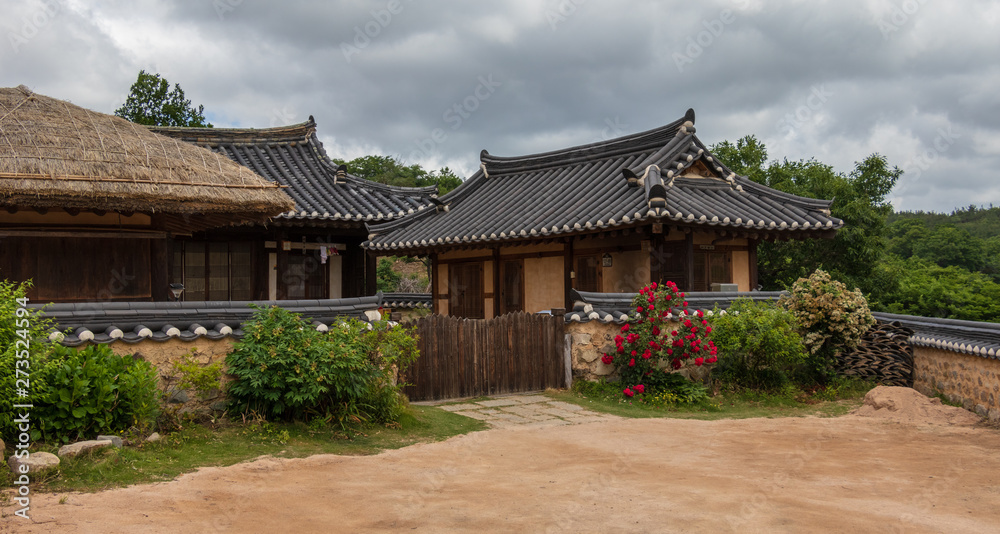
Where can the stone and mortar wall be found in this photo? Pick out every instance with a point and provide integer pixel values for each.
(589, 341)
(973, 381)
(163, 354)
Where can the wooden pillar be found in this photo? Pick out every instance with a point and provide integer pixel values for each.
(371, 276)
(753, 243)
(689, 259)
(568, 268)
(159, 271)
(496, 282)
(435, 284)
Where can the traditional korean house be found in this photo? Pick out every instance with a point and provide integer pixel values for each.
(612, 216)
(312, 251)
(89, 203)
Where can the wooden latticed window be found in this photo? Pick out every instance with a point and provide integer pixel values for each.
(511, 286)
(213, 270)
(588, 273)
(711, 268)
(465, 290)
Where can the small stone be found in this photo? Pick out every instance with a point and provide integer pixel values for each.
(219, 406)
(3, 448)
(37, 462)
(75, 449)
(154, 437)
(604, 370)
(179, 397)
(589, 355)
(581, 339)
(981, 410)
(115, 440)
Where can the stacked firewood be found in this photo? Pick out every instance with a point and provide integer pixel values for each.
(884, 355)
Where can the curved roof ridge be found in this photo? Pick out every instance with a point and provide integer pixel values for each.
(288, 133)
(626, 144)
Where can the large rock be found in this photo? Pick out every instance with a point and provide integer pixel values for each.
(115, 440)
(3, 448)
(37, 462)
(75, 449)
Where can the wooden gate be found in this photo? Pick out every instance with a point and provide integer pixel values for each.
(472, 357)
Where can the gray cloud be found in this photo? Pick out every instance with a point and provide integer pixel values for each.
(835, 81)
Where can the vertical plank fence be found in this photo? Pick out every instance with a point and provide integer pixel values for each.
(512, 353)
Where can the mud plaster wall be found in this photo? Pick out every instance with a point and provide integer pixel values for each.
(971, 380)
(162, 354)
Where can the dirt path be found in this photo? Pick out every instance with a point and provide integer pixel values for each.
(851, 474)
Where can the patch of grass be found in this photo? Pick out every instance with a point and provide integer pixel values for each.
(839, 398)
(230, 443)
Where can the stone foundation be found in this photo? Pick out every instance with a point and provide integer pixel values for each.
(973, 381)
(589, 341)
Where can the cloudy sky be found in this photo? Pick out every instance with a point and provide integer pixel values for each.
(434, 82)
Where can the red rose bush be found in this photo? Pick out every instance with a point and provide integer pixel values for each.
(661, 336)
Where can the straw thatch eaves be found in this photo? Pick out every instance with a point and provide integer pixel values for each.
(54, 154)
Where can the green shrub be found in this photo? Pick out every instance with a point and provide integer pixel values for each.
(286, 369)
(758, 345)
(19, 326)
(82, 393)
(831, 319)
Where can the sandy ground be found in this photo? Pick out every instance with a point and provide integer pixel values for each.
(858, 473)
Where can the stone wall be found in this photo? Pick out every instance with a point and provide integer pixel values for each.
(973, 381)
(590, 341)
(163, 354)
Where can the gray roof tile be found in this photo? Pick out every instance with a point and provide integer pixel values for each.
(585, 189)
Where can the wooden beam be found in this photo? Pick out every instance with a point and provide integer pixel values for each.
(117, 234)
(496, 281)
(435, 284)
(567, 270)
(689, 253)
(753, 264)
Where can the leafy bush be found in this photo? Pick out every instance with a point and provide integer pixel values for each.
(22, 333)
(831, 318)
(286, 369)
(651, 341)
(82, 393)
(758, 345)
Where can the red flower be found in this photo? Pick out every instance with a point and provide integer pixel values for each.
(646, 355)
(674, 333)
(628, 392)
(631, 363)
(699, 361)
(634, 353)
(668, 297)
(670, 352)
(713, 359)
(688, 323)
(650, 307)
(700, 314)
(607, 359)
(653, 285)
(708, 329)
(625, 327)
(638, 309)
(651, 299)
(676, 363)
(704, 322)
(640, 388)
(656, 330)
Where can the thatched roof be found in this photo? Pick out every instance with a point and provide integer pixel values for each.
(54, 154)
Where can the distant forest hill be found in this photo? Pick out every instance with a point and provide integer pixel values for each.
(967, 237)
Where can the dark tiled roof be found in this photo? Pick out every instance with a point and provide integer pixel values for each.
(406, 300)
(969, 337)
(602, 186)
(616, 307)
(294, 157)
(132, 322)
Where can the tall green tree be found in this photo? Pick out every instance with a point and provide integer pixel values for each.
(152, 102)
(855, 255)
(392, 171)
